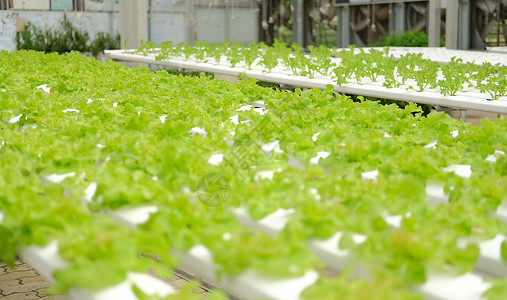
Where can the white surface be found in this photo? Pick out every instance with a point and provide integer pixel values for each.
(235, 119)
(254, 285)
(394, 221)
(197, 130)
(216, 159)
(199, 259)
(490, 260)
(444, 287)
(249, 284)
(270, 147)
(146, 283)
(493, 157)
(444, 55)
(55, 178)
(268, 175)
(338, 259)
(132, 215)
(45, 259)
(431, 145)
(270, 224)
(15, 119)
(501, 213)
(45, 88)
(89, 192)
(315, 192)
(436, 193)
(244, 108)
(321, 154)
(464, 171)
(371, 175)
(70, 110)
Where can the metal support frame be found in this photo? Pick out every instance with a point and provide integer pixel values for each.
(298, 22)
(434, 17)
(463, 115)
(343, 29)
(397, 16)
(464, 27)
(457, 24)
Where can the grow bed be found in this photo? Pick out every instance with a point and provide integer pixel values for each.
(109, 171)
(372, 72)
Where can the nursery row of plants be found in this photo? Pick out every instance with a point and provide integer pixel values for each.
(410, 71)
(69, 123)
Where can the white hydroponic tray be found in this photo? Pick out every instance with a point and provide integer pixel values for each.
(47, 259)
(444, 55)
(502, 50)
(471, 99)
(251, 285)
(439, 286)
(248, 285)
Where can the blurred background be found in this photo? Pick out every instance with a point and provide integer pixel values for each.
(106, 24)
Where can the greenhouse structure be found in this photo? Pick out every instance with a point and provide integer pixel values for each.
(253, 149)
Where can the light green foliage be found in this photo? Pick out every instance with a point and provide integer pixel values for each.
(454, 77)
(120, 108)
(411, 69)
(65, 38)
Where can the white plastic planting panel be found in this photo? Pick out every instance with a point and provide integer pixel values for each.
(444, 55)
(248, 285)
(439, 286)
(253, 284)
(47, 259)
(497, 49)
(468, 99)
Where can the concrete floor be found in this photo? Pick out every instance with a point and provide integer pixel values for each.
(24, 283)
(475, 116)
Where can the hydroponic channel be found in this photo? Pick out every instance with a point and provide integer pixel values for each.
(466, 97)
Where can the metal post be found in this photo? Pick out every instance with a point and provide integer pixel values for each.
(397, 17)
(298, 23)
(463, 114)
(434, 15)
(457, 24)
(464, 24)
(133, 22)
(452, 24)
(343, 30)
